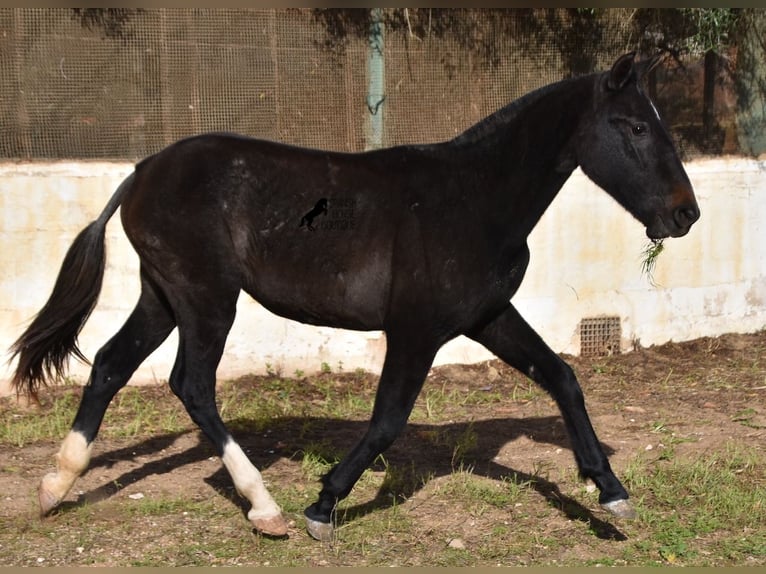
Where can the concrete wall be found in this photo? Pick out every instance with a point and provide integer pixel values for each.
(586, 262)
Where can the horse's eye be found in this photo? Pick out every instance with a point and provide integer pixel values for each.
(639, 129)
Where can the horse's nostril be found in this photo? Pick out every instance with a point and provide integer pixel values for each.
(685, 216)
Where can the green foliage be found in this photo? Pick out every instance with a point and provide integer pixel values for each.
(570, 31)
(649, 258)
(713, 28)
(21, 427)
(712, 501)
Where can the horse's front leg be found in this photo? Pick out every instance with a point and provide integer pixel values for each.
(510, 338)
(404, 371)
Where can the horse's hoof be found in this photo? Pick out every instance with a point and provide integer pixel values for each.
(48, 500)
(273, 526)
(322, 531)
(621, 509)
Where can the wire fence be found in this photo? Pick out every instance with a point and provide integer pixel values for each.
(123, 83)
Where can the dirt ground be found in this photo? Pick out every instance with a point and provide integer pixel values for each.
(696, 395)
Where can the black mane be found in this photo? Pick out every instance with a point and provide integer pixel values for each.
(510, 112)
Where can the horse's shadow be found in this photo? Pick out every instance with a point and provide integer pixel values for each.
(436, 444)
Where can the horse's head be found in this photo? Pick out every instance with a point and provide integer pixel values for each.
(624, 148)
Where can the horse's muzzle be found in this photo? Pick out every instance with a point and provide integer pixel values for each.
(677, 218)
(677, 224)
(684, 217)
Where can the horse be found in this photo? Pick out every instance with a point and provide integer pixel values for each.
(437, 249)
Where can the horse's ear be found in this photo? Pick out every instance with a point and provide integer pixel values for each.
(622, 71)
(644, 67)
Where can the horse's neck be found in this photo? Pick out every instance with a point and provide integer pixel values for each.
(521, 156)
(541, 106)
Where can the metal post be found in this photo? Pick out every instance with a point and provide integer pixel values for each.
(376, 70)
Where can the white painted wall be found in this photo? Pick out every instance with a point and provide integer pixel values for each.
(586, 261)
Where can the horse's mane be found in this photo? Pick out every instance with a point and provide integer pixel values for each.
(508, 113)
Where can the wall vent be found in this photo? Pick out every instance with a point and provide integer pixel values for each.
(600, 336)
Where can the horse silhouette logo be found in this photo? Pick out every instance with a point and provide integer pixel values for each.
(319, 209)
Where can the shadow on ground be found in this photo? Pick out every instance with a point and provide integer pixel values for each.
(425, 449)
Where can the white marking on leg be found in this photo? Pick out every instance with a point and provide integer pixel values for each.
(71, 461)
(249, 483)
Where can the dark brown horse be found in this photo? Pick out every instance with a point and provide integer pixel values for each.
(437, 248)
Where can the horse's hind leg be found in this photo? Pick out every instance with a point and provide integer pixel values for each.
(203, 325)
(146, 328)
(514, 341)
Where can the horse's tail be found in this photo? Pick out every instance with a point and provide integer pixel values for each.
(44, 348)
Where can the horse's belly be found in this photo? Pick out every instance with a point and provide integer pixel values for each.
(335, 292)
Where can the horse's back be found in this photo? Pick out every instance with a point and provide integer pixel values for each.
(235, 205)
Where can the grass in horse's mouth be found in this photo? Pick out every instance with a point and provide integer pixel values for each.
(649, 257)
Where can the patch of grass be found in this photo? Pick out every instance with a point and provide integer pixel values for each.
(438, 404)
(455, 558)
(716, 498)
(323, 395)
(669, 439)
(136, 412)
(400, 481)
(318, 458)
(478, 493)
(694, 509)
(21, 427)
(465, 444)
(374, 539)
(747, 417)
(159, 506)
(463, 441)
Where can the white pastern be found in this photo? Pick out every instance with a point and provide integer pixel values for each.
(265, 514)
(71, 461)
